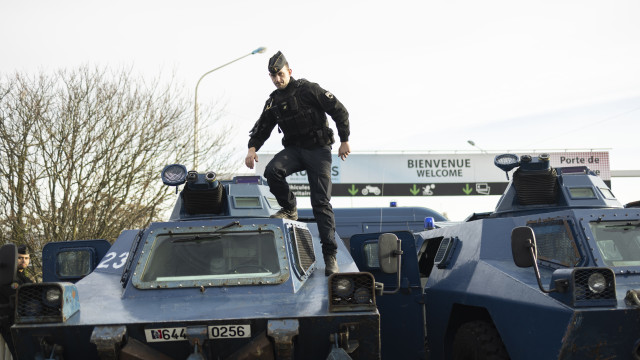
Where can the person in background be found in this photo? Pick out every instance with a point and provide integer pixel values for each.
(23, 262)
(8, 294)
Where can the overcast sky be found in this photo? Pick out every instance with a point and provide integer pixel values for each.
(414, 75)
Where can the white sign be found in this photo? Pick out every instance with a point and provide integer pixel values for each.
(436, 168)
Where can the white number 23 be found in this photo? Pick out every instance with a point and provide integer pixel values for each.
(116, 264)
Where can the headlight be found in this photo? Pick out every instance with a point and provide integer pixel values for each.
(352, 292)
(343, 286)
(174, 175)
(597, 283)
(362, 296)
(52, 296)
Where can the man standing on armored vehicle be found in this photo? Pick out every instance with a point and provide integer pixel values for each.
(299, 108)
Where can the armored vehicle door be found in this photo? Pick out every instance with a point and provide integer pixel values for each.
(402, 305)
(72, 260)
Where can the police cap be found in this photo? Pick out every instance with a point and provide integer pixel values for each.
(22, 249)
(277, 62)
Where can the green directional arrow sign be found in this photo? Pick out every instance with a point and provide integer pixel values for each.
(414, 190)
(467, 190)
(353, 190)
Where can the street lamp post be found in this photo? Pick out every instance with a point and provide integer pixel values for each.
(259, 50)
(474, 144)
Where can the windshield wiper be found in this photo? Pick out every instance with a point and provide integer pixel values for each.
(629, 224)
(233, 223)
(206, 236)
(199, 237)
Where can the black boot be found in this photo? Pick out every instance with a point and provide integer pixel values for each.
(330, 265)
(291, 214)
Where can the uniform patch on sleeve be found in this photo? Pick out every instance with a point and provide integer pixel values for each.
(329, 95)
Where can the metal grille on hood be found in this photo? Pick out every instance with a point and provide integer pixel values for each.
(303, 248)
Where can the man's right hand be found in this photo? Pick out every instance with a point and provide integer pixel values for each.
(251, 157)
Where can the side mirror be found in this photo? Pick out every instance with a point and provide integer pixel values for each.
(522, 240)
(8, 263)
(389, 256)
(387, 247)
(525, 253)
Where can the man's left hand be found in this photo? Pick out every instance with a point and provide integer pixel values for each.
(344, 150)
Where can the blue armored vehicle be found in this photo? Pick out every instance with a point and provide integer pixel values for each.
(350, 221)
(219, 280)
(552, 273)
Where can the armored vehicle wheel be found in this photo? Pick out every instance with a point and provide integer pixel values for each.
(478, 340)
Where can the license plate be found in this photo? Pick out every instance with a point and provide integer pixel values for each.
(166, 334)
(229, 331)
(215, 332)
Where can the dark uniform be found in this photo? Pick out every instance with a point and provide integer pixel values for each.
(299, 111)
(22, 278)
(7, 303)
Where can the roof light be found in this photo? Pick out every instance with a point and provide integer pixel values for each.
(428, 223)
(506, 162)
(174, 175)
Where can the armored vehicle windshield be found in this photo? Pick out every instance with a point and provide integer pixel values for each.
(618, 241)
(240, 255)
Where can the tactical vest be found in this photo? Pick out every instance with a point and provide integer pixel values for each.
(301, 124)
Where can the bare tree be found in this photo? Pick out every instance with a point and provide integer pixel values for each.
(82, 150)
